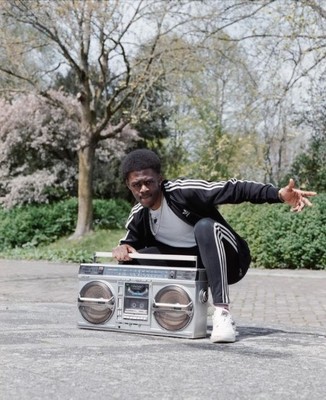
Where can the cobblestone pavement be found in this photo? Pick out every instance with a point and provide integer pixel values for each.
(280, 353)
(291, 298)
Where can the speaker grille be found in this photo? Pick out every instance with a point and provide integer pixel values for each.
(96, 302)
(173, 308)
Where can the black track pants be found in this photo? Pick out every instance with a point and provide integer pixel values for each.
(225, 257)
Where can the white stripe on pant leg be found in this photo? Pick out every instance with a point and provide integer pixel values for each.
(225, 285)
(223, 263)
(228, 236)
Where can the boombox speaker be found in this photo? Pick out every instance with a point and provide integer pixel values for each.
(148, 299)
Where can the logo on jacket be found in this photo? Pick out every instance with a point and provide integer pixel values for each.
(186, 213)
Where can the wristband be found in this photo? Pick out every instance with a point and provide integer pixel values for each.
(280, 196)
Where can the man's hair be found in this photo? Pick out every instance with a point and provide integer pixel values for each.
(138, 160)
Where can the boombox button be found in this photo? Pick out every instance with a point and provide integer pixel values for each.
(137, 317)
(172, 274)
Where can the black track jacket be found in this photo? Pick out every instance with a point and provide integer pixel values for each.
(193, 199)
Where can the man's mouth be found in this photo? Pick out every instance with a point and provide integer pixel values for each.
(145, 197)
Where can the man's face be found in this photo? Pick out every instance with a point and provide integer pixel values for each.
(145, 185)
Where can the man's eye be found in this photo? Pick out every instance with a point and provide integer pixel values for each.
(138, 185)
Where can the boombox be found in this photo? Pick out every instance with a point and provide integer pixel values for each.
(149, 299)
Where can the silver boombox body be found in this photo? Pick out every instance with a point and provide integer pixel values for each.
(147, 299)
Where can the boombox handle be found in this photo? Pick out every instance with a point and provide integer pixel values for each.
(109, 303)
(144, 256)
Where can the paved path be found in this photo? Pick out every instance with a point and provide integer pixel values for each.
(280, 353)
(295, 299)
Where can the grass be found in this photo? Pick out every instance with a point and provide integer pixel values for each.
(66, 250)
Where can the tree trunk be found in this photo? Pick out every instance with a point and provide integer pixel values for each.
(85, 191)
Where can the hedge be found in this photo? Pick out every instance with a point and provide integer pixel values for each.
(33, 225)
(279, 238)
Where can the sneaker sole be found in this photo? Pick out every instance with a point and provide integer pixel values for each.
(225, 339)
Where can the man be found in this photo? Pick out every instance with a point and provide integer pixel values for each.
(180, 217)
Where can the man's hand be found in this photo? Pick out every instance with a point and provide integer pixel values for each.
(121, 253)
(295, 197)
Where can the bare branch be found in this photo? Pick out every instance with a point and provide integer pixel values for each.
(112, 131)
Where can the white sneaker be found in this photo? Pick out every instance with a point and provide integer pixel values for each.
(224, 329)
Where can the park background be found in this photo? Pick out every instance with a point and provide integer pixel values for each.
(218, 89)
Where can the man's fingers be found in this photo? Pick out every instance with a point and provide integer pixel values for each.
(301, 203)
(306, 202)
(295, 197)
(309, 194)
(290, 186)
(298, 207)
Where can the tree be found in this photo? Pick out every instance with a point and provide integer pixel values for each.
(120, 50)
(309, 167)
(287, 54)
(38, 149)
(103, 43)
(213, 102)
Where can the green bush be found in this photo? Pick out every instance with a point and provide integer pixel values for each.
(279, 238)
(110, 214)
(32, 225)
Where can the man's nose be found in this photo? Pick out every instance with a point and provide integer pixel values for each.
(143, 188)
